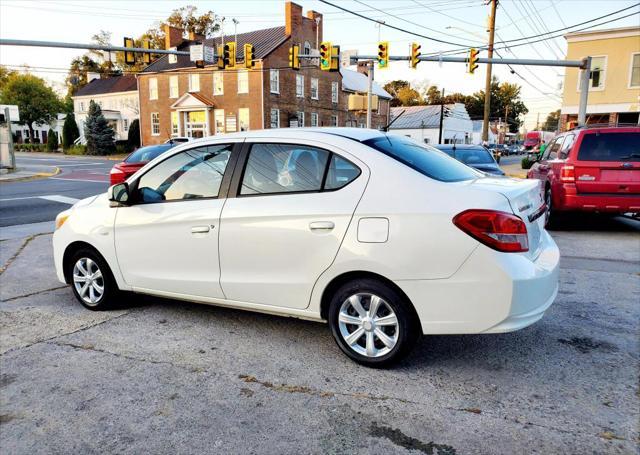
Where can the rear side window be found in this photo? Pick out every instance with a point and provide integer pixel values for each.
(554, 147)
(610, 147)
(566, 146)
(341, 172)
(423, 158)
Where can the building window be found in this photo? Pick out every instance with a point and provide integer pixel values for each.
(275, 118)
(173, 87)
(274, 78)
(314, 88)
(218, 83)
(301, 119)
(153, 88)
(334, 92)
(307, 48)
(598, 73)
(314, 119)
(194, 82)
(218, 120)
(299, 85)
(634, 79)
(175, 128)
(243, 82)
(81, 106)
(232, 124)
(334, 120)
(155, 124)
(125, 125)
(243, 118)
(362, 125)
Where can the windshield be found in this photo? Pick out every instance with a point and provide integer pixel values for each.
(147, 153)
(610, 147)
(472, 156)
(427, 160)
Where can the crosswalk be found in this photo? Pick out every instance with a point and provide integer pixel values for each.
(46, 197)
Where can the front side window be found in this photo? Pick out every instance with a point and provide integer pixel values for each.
(173, 87)
(243, 82)
(634, 81)
(155, 124)
(299, 85)
(283, 168)
(274, 79)
(194, 82)
(153, 88)
(243, 118)
(334, 92)
(192, 174)
(314, 88)
(423, 158)
(218, 83)
(275, 118)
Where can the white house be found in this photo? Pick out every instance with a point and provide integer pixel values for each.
(118, 98)
(477, 133)
(423, 123)
(40, 132)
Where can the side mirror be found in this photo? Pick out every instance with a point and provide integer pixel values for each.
(119, 194)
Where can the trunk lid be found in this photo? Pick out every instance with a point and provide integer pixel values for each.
(526, 201)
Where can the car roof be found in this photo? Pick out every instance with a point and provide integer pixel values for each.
(358, 134)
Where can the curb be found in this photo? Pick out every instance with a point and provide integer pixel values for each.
(39, 175)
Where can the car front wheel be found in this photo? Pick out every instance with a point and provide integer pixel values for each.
(92, 281)
(372, 323)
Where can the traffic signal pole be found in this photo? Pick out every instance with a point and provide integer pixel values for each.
(369, 92)
(487, 85)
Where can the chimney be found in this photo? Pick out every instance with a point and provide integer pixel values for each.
(293, 17)
(172, 36)
(91, 76)
(196, 37)
(317, 25)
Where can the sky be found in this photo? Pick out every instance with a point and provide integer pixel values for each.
(462, 22)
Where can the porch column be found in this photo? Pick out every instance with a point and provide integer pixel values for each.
(206, 118)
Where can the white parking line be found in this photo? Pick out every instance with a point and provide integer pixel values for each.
(79, 180)
(48, 197)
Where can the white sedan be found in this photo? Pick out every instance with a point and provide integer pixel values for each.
(384, 238)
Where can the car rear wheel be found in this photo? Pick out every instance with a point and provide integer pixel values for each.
(92, 281)
(372, 323)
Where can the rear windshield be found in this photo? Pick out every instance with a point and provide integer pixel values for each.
(610, 147)
(147, 153)
(472, 156)
(423, 158)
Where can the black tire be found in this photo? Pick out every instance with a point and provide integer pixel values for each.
(406, 332)
(111, 293)
(553, 218)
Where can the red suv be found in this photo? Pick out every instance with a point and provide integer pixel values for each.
(591, 169)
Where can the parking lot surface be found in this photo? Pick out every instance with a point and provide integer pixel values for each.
(161, 376)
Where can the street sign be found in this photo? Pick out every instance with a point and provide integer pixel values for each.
(208, 54)
(345, 57)
(196, 52)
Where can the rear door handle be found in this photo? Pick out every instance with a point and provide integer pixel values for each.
(200, 229)
(321, 225)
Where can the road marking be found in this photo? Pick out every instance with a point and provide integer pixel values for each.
(48, 197)
(83, 164)
(80, 180)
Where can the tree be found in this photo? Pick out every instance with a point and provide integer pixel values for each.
(5, 73)
(409, 97)
(133, 139)
(98, 132)
(551, 123)
(70, 131)
(392, 88)
(433, 95)
(52, 141)
(36, 101)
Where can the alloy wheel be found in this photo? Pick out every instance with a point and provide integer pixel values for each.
(368, 325)
(88, 281)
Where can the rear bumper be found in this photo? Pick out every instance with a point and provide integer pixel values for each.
(491, 293)
(571, 201)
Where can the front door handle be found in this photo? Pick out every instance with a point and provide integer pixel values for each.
(200, 229)
(321, 225)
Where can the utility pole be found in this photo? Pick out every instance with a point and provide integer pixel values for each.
(369, 92)
(538, 121)
(487, 86)
(441, 117)
(506, 123)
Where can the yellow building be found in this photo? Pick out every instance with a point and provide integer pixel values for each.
(614, 86)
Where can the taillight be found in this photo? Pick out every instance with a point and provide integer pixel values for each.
(567, 174)
(498, 230)
(115, 170)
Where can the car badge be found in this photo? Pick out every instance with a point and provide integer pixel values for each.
(627, 164)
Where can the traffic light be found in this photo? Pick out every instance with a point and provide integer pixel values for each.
(472, 64)
(248, 56)
(325, 56)
(229, 55)
(129, 57)
(146, 57)
(415, 53)
(383, 54)
(294, 60)
(221, 57)
(335, 58)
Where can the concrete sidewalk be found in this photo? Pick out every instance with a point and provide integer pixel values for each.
(28, 172)
(515, 170)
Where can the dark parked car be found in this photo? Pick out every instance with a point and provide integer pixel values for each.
(475, 156)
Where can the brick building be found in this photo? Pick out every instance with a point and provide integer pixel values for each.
(178, 99)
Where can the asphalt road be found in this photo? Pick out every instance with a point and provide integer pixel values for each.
(40, 200)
